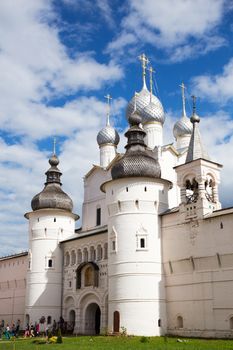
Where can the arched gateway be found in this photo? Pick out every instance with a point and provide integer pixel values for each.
(92, 319)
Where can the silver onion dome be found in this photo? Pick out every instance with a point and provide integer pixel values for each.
(154, 112)
(143, 99)
(108, 135)
(182, 127)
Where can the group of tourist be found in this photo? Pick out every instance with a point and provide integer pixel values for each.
(32, 330)
(8, 330)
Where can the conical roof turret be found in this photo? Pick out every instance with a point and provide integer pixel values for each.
(196, 149)
(52, 196)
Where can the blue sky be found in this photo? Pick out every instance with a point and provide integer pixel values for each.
(60, 58)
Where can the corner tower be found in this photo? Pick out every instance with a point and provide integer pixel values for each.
(50, 221)
(135, 196)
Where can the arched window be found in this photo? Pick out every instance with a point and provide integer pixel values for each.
(231, 323)
(79, 256)
(67, 259)
(191, 190)
(89, 276)
(92, 253)
(49, 320)
(99, 252)
(85, 254)
(179, 322)
(209, 186)
(105, 250)
(73, 257)
(50, 263)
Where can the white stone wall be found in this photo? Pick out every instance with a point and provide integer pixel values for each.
(198, 263)
(12, 288)
(94, 198)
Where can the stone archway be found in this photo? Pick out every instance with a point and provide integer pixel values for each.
(92, 319)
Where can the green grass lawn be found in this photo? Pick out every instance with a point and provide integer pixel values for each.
(118, 343)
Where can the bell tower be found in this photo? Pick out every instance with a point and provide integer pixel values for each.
(198, 178)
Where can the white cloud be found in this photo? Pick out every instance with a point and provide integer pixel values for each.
(217, 88)
(172, 24)
(36, 68)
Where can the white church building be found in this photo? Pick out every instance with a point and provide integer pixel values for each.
(154, 254)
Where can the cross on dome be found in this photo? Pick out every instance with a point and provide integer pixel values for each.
(144, 60)
(183, 87)
(194, 98)
(54, 145)
(151, 70)
(109, 98)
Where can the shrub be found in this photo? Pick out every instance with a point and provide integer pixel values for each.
(144, 339)
(123, 331)
(59, 337)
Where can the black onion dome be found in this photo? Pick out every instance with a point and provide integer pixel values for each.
(52, 196)
(137, 161)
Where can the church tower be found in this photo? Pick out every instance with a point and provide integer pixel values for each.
(50, 221)
(198, 178)
(135, 197)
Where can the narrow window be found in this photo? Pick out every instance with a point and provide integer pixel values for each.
(127, 190)
(105, 250)
(50, 263)
(159, 323)
(142, 242)
(145, 189)
(54, 220)
(180, 322)
(38, 219)
(70, 284)
(221, 225)
(98, 216)
(113, 245)
(49, 319)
